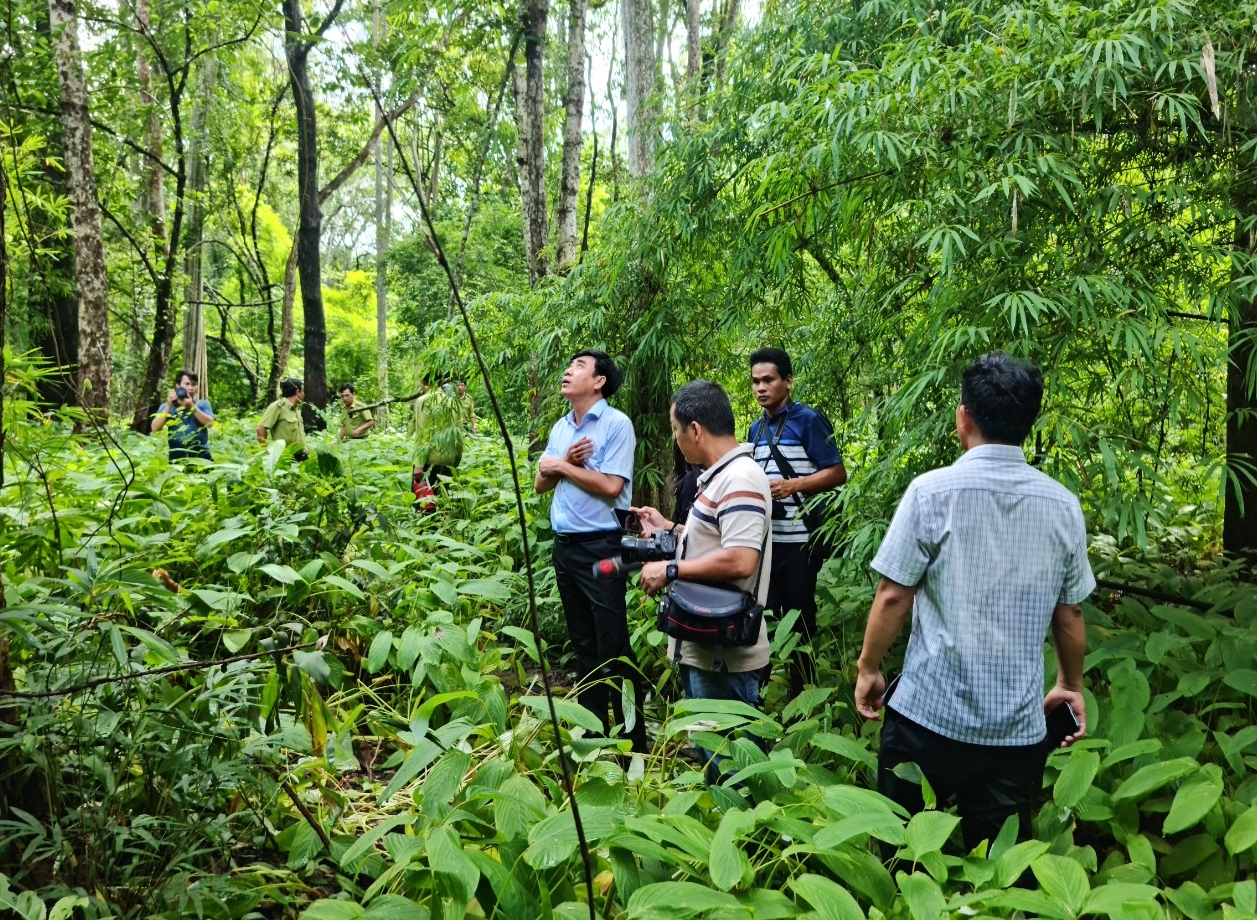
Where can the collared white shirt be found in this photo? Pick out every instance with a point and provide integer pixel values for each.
(574, 510)
(992, 546)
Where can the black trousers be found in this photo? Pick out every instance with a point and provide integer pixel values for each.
(597, 623)
(989, 783)
(792, 586)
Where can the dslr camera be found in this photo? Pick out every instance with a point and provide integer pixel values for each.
(181, 392)
(659, 545)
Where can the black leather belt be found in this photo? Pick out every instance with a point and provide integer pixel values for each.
(589, 536)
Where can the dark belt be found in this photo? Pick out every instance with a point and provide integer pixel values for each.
(589, 536)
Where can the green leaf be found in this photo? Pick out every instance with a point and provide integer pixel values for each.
(829, 900)
(367, 841)
(728, 864)
(553, 841)
(445, 591)
(218, 538)
(846, 748)
(1149, 779)
(344, 584)
(1116, 897)
(329, 909)
(568, 711)
(314, 664)
(928, 831)
(925, 899)
(495, 589)
(1241, 835)
(236, 639)
(394, 907)
(1194, 799)
(1063, 879)
(417, 758)
(881, 825)
(445, 855)
(281, 573)
(409, 648)
(377, 656)
(1244, 680)
(1076, 778)
(679, 899)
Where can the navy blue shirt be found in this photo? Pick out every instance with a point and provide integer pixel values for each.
(807, 444)
(188, 437)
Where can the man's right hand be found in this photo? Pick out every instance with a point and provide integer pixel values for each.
(870, 687)
(579, 451)
(651, 520)
(172, 399)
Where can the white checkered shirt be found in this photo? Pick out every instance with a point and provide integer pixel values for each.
(992, 546)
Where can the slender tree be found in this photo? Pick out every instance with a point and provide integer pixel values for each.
(530, 125)
(640, 65)
(573, 138)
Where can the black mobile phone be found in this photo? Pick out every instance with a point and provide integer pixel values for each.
(628, 521)
(1061, 723)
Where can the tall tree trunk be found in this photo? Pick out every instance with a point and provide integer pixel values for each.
(383, 220)
(95, 354)
(639, 83)
(287, 329)
(297, 46)
(1239, 524)
(574, 110)
(693, 39)
(158, 242)
(531, 124)
(195, 358)
(723, 36)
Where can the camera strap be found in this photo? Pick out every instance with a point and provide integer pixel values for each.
(783, 465)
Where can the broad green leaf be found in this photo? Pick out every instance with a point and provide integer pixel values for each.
(567, 710)
(381, 645)
(1244, 680)
(367, 841)
(445, 591)
(1010, 865)
(554, 840)
(881, 825)
(728, 864)
(445, 856)
(1191, 899)
(1115, 897)
(1194, 799)
(329, 909)
(1149, 779)
(846, 748)
(417, 758)
(679, 899)
(344, 584)
(495, 589)
(928, 831)
(281, 573)
(314, 664)
(1063, 879)
(1076, 778)
(236, 639)
(394, 907)
(220, 537)
(409, 647)
(925, 899)
(829, 900)
(1242, 834)
(65, 907)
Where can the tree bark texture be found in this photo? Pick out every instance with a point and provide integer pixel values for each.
(310, 223)
(639, 83)
(531, 124)
(94, 353)
(693, 38)
(195, 358)
(573, 138)
(1239, 523)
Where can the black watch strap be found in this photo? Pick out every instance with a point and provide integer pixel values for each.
(672, 571)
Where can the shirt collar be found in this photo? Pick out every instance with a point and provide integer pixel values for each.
(1000, 453)
(594, 411)
(711, 470)
(785, 407)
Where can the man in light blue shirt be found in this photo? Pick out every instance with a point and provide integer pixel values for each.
(989, 555)
(588, 464)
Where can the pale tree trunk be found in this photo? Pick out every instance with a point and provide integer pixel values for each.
(383, 215)
(434, 168)
(279, 364)
(694, 39)
(639, 83)
(574, 108)
(95, 354)
(530, 123)
(194, 354)
(727, 23)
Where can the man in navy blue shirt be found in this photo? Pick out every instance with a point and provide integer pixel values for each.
(190, 419)
(588, 463)
(795, 445)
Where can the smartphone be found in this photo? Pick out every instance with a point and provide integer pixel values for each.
(1061, 723)
(628, 521)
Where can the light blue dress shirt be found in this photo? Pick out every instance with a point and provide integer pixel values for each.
(992, 546)
(574, 510)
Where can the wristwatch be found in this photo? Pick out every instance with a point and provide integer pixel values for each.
(672, 571)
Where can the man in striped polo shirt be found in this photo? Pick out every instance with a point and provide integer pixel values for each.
(795, 446)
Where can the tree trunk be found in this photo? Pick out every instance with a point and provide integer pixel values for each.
(94, 354)
(287, 330)
(1239, 525)
(574, 108)
(639, 83)
(310, 227)
(383, 221)
(727, 23)
(531, 124)
(194, 354)
(694, 39)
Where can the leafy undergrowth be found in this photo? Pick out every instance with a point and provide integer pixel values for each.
(254, 689)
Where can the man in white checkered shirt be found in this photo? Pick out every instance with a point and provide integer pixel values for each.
(988, 555)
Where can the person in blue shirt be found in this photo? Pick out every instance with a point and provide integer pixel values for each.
(588, 464)
(189, 419)
(795, 445)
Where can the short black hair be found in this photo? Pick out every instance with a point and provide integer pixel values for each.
(603, 367)
(289, 387)
(1002, 395)
(774, 356)
(191, 376)
(346, 386)
(706, 403)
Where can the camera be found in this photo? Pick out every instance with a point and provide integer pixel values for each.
(780, 511)
(660, 545)
(181, 392)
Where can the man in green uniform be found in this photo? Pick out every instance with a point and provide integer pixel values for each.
(355, 421)
(467, 406)
(282, 419)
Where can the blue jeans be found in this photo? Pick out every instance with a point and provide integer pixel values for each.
(700, 684)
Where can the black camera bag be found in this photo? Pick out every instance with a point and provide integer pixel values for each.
(709, 615)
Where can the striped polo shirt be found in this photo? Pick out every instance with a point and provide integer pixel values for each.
(807, 444)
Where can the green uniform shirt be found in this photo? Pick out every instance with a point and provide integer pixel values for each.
(283, 421)
(438, 429)
(467, 407)
(351, 423)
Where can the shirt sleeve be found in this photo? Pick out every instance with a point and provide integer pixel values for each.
(903, 555)
(270, 416)
(818, 441)
(552, 449)
(1079, 581)
(204, 406)
(617, 458)
(164, 407)
(743, 516)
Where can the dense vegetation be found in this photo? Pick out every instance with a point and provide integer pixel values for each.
(254, 688)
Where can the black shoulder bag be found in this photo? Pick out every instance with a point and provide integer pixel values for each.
(714, 616)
